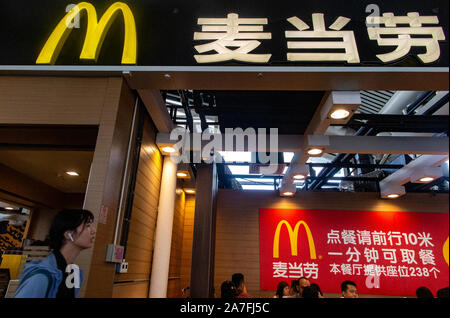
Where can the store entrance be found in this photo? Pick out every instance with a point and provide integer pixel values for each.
(43, 169)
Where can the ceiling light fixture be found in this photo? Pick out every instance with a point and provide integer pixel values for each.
(189, 191)
(426, 179)
(73, 173)
(299, 177)
(288, 190)
(340, 114)
(168, 149)
(426, 174)
(315, 151)
(391, 191)
(9, 208)
(182, 174)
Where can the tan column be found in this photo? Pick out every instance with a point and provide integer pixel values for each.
(163, 236)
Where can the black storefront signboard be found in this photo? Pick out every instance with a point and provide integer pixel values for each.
(349, 33)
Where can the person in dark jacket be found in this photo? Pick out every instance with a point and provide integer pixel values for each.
(228, 290)
(239, 281)
(443, 293)
(424, 292)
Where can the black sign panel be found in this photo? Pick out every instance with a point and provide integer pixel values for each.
(165, 32)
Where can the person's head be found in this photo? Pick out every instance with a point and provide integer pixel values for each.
(294, 287)
(423, 292)
(228, 290)
(442, 293)
(302, 283)
(282, 290)
(349, 289)
(238, 280)
(319, 291)
(72, 227)
(310, 292)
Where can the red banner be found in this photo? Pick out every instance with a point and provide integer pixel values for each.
(384, 253)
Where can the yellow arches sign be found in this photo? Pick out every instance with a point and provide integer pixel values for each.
(96, 32)
(445, 251)
(293, 237)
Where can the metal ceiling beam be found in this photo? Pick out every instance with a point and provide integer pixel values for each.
(187, 111)
(400, 123)
(198, 105)
(320, 122)
(403, 175)
(389, 145)
(335, 144)
(334, 165)
(254, 177)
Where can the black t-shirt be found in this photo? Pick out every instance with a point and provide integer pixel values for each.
(63, 290)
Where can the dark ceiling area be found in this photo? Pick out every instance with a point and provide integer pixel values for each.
(289, 111)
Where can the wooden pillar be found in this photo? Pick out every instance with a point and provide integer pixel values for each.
(202, 267)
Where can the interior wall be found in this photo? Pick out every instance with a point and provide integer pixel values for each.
(106, 102)
(237, 231)
(41, 219)
(186, 249)
(174, 284)
(139, 249)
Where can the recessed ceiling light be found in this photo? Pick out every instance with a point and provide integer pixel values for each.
(426, 179)
(73, 173)
(182, 174)
(393, 195)
(315, 151)
(340, 114)
(168, 149)
(189, 191)
(9, 208)
(299, 177)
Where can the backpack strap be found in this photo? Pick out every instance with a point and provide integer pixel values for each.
(44, 272)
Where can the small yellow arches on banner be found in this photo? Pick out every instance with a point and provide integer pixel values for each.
(445, 251)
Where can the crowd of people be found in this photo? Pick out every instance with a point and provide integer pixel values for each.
(303, 288)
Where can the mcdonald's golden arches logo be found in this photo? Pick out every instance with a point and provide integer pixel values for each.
(293, 238)
(445, 251)
(95, 34)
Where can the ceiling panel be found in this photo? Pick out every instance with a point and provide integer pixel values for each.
(49, 167)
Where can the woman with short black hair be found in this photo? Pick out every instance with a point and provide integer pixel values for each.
(57, 276)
